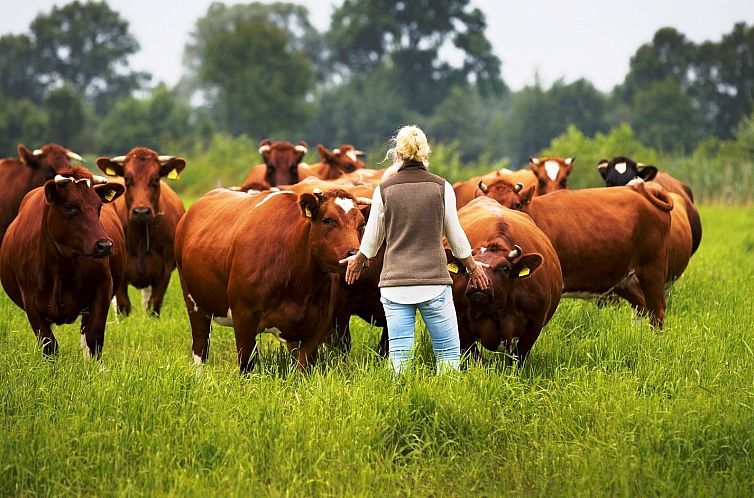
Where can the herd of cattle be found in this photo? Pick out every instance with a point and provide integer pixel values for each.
(264, 256)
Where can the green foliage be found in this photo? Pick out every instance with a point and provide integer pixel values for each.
(18, 76)
(251, 69)
(22, 122)
(407, 37)
(619, 141)
(158, 121)
(65, 117)
(445, 161)
(604, 406)
(666, 117)
(86, 46)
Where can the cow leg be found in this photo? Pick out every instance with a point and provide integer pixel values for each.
(652, 282)
(159, 289)
(633, 293)
(43, 330)
(307, 351)
(93, 324)
(122, 300)
(200, 328)
(245, 325)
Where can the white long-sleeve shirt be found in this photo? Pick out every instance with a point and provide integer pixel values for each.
(374, 235)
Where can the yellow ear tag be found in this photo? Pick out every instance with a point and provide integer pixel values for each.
(110, 171)
(307, 212)
(452, 268)
(173, 175)
(524, 271)
(110, 194)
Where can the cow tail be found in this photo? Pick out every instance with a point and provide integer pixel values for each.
(659, 197)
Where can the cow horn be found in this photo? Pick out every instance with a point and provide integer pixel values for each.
(517, 188)
(74, 156)
(119, 159)
(336, 151)
(482, 186)
(569, 160)
(366, 201)
(98, 180)
(62, 179)
(515, 252)
(264, 148)
(534, 160)
(37, 152)
(360, 153)
(164, 159)
(302, 149)
(317, 191)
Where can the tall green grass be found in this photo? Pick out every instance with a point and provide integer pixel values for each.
(604, 406)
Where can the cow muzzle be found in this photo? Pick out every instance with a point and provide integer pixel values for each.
(103, 248)
(479, 297)
(142, 213)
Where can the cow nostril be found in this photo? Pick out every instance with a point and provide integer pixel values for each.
(141, 211)
(104, 246)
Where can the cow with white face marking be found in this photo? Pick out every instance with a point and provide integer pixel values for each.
(551, 172)
(264, 262)
(282, 161)
(31, 169)
(621, 170)
(64, 255)
(149, 212)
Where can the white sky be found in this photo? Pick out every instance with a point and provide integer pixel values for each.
(554, 38)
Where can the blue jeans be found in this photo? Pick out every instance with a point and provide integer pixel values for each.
(439, 314)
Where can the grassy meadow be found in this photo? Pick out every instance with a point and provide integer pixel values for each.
(604, 406)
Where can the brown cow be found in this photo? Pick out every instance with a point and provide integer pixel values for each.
(466, 190)
(149, 212)
(525, 280)
(551, 172)
(282, 161)
(334, 163)
(30, 170)
(362, 298)
(64, 255)
(621, 170)
(264, 261)
(600, 248)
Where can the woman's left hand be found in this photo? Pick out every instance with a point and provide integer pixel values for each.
(356, 265)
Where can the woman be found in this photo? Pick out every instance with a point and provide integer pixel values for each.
(411, 211)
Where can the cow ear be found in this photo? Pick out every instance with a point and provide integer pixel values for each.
(108, 167)
(455, 267)
(309, 205)
(534, 164)
(526, 265)
(326, 154)
(51, 192)
(172, 169)
(647, 173)
(602, 167)
(527, 195)
(301, 149)
(569, 162)
(109, 191)
(26, 155)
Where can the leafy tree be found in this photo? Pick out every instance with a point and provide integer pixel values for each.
(25, 122)
(666, 117)
(159, 121)
(86, 46)
(18, 77)
(408, 37)
(251, 70)
(65, 116)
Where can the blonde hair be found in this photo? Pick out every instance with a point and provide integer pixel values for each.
(411, 143)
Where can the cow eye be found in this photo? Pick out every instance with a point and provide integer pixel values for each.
(129, 181)
(154, 182)
(517, 205)
(505, 269)
(349, 168)
(541, 183)
(563, 183)
(328, 221)
(69, 208)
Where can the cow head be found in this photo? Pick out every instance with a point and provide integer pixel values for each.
(551, 172)
(512, 196)
(282, 160)
(337, 225)
(621, 170)
(142, 170)
(344, 159)
(47, 161)
(74, 200)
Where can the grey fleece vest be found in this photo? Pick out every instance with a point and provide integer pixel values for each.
(414, 202)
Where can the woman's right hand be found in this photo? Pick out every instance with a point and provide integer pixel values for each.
(478, 277)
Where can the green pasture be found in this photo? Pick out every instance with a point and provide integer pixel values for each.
(605, 405)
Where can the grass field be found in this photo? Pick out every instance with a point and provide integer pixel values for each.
(604, 406)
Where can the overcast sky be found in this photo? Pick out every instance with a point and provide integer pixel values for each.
(554, 38)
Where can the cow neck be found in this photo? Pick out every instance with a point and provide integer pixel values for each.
(134, 230)
(49, 249)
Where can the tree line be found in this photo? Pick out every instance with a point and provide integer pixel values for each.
(262, 70)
